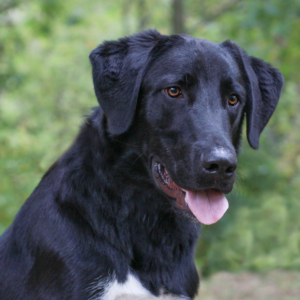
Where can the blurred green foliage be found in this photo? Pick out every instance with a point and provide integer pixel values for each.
(46, 89)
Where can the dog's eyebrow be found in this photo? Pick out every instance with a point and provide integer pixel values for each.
(227, 81)
(229, 85)
(184, 80)
(171, 78)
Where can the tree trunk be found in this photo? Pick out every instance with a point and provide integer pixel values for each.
(177, 20)
(143, 14)
(126, 5)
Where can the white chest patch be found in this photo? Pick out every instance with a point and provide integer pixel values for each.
(131, 289)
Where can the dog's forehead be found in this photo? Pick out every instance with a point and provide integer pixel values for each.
(200, 57)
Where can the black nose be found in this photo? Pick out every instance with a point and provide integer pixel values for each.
(220, 162)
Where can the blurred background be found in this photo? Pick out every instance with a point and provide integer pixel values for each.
(46, 91)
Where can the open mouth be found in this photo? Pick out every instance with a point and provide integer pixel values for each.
(207, 205)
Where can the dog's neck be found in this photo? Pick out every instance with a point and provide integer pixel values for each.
(136, 220)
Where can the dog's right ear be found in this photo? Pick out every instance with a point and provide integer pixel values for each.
(118, 70)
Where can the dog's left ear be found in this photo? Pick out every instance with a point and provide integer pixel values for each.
(263, 87)
(118, 70)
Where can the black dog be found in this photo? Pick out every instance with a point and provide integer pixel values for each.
(116, 216)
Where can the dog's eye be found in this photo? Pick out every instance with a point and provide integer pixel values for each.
(233, 100)
(173, 91)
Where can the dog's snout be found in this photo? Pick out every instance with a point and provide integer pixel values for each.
(220, 162)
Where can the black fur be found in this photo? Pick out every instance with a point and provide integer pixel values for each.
(98, 211)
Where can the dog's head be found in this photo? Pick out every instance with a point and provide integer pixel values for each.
(184, 99)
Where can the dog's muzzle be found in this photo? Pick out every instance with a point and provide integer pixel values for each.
(207, 205)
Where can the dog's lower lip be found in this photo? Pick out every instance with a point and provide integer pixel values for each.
(168, 186)
(164, 175)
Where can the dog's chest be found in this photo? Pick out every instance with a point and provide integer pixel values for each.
(131, 289)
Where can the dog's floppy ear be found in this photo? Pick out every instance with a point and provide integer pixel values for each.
(118, 69)
(263, 87)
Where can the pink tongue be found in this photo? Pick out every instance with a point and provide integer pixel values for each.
(208, 206)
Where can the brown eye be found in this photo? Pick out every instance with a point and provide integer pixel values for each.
(173, 91)
(233, 100)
